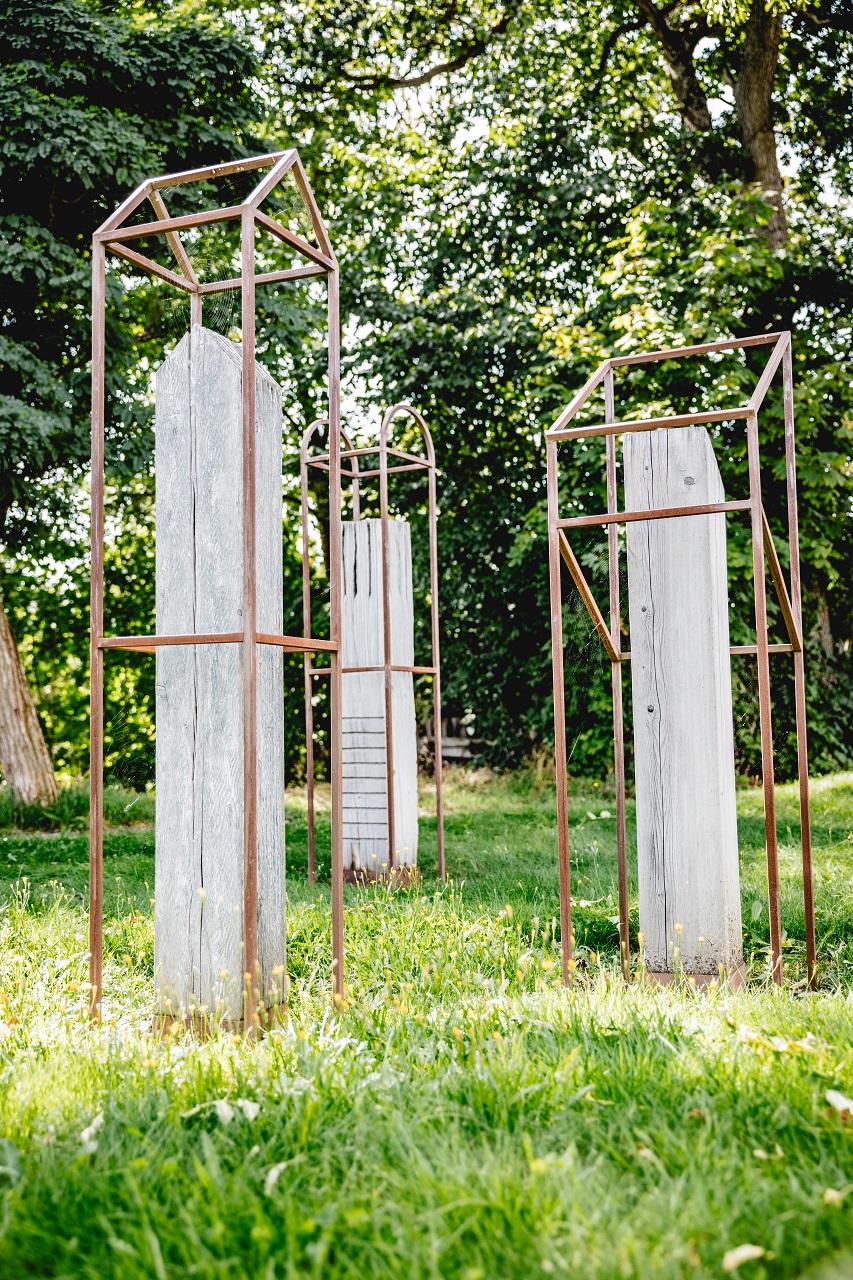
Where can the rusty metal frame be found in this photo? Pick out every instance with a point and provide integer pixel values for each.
(790, 602)
(111, 237)
(407, 462)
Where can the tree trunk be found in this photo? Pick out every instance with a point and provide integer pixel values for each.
(753, 98)
(678, 55)
(24, 757)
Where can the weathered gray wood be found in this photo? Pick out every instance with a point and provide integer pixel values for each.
(198, 933)
(687, 844)
(364, 767)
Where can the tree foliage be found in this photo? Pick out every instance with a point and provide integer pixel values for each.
(514, 191)
(92, 101)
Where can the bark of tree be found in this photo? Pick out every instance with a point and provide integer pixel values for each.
(678, 55)
(24, 757)
(753, 90)
(754, 100)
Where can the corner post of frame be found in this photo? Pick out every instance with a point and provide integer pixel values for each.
(764, 700)
(96, 652)
(436, 663)
(560, 761)
(616, 682)
(307, 656)
(799, 665)
(250, 652)
(386, 637)
(335, 604)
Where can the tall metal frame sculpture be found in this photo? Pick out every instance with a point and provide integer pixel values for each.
(113, 237)
(407, 462)
(762, 545)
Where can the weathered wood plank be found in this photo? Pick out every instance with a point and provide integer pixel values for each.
(364, 693)
(682, 703)
(199, 825)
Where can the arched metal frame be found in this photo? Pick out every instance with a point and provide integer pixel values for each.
(762, 545)
(112, 237)
(408, 462)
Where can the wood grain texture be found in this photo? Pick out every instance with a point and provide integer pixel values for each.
(364, 772)
(687, 844)
(199, 826)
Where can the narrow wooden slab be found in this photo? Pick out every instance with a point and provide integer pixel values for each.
(362, 645)
(198, 921)
(687, 844)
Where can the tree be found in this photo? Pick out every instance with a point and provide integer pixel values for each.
(576, 180)
(516, 190)
(91, 101)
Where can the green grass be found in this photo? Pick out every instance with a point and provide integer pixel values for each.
(71, 811)
(461, 1115)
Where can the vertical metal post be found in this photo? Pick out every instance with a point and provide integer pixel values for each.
(436, 663)
(764, 703)
(799, 666)
(616, 684)
(250, 652)
(560, 761)
(386, 639)
(335, 589)
(307, 657)
(356, 500)
(96, 653)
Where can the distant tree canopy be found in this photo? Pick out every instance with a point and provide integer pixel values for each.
(514, 191)
(92, 100)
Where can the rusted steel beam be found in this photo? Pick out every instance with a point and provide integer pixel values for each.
(560, 760)
(175, 244)
(125, 209)
(296, 242)
(250, 613)
(143, 643)
(96, 656)
(581, 398)
(335, 610)
(183, 223)
(299, 644)
(697, 417)
(662, 513)
(271, 180)
(370, 450)
(314, 213)
(777, 355)
(267, 277)
(386, 640)
(677, 353)
(779, 583)
(616, 685)
(799, 667)
(213, 171)
(739, 650)
(152, 268)
(764, 700)
(586, 595)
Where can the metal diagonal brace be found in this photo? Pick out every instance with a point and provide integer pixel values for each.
(779, 583)
(586, 595)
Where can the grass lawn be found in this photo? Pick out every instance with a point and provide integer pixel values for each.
(461, 1116)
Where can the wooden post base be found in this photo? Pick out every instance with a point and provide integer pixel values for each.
(397, 877)
(734, 979)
